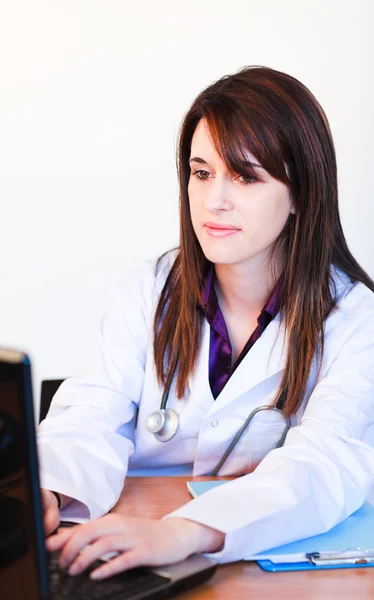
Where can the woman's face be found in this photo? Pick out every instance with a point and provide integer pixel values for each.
(235, 220)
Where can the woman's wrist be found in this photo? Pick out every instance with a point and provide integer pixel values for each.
(58, 498)
(202, 537)
(62, 500)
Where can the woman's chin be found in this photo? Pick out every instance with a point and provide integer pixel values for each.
(220, 257)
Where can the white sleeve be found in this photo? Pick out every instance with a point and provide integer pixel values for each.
(319, 477)
(87, 438)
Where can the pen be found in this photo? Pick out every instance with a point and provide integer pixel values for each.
(352, 556)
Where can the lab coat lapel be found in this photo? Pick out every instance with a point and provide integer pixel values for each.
(266, 358)
(199, 380)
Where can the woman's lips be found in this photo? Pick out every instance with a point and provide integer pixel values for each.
(219, 231)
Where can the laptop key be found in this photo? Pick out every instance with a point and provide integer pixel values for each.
(126, 584)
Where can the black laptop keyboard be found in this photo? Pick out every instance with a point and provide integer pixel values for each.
(126, 585)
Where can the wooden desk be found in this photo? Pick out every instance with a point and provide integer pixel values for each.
(157, 496)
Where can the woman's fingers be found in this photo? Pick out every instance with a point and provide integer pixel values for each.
(123, 562)
(98, 549)
(140, 541)
(86, 534)
(157, 545)
(55, 542)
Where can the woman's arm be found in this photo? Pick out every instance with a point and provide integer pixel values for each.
(138, 541)
(324, 471)
(87, 438)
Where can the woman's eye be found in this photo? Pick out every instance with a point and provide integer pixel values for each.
(246, 180)
(201, 174)
(204, 175)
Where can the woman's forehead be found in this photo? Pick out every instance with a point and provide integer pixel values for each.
(203, 147)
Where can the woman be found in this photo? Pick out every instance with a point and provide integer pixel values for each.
(262, 305)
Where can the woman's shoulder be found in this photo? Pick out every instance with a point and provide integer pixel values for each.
(162, 267)
(352, 296)
(143, 283)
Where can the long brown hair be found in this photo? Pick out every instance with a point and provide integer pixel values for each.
(277, 119)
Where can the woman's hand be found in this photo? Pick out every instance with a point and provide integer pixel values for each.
(139, 542)
(51, 511)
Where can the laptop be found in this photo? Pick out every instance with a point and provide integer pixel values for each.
(26, 569)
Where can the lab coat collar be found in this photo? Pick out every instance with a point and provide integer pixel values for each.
(266, 358)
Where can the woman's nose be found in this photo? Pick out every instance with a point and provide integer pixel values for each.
(218, 197)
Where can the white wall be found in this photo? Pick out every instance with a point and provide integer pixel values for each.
(92, 94)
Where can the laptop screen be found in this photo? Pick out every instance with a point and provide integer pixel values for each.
(24, 572)
(21, 530)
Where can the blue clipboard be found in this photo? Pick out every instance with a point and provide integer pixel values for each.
(350, 544)
(268, 565)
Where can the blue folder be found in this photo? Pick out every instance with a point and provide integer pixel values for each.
(348, 544)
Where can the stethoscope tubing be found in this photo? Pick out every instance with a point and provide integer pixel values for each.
(239, 434)
(164, 436)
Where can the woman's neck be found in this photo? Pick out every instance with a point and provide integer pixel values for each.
(245, 287)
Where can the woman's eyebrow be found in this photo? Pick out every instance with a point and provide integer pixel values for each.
(198, 160)
(249, 163)
(246, 163)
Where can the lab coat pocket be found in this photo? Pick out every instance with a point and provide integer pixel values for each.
(263, 436)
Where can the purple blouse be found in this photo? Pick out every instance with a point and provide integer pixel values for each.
(220, 350)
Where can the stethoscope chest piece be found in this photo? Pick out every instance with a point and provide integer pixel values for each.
(163, 423)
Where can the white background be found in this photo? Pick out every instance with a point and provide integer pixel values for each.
(92, 95)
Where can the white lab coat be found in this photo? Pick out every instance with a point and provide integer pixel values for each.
(323, 473)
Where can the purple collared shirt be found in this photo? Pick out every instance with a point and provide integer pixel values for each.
(220, 350)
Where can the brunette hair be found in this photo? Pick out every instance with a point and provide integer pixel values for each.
(277, 119)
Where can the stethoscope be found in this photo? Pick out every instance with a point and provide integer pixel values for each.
(164, 423)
